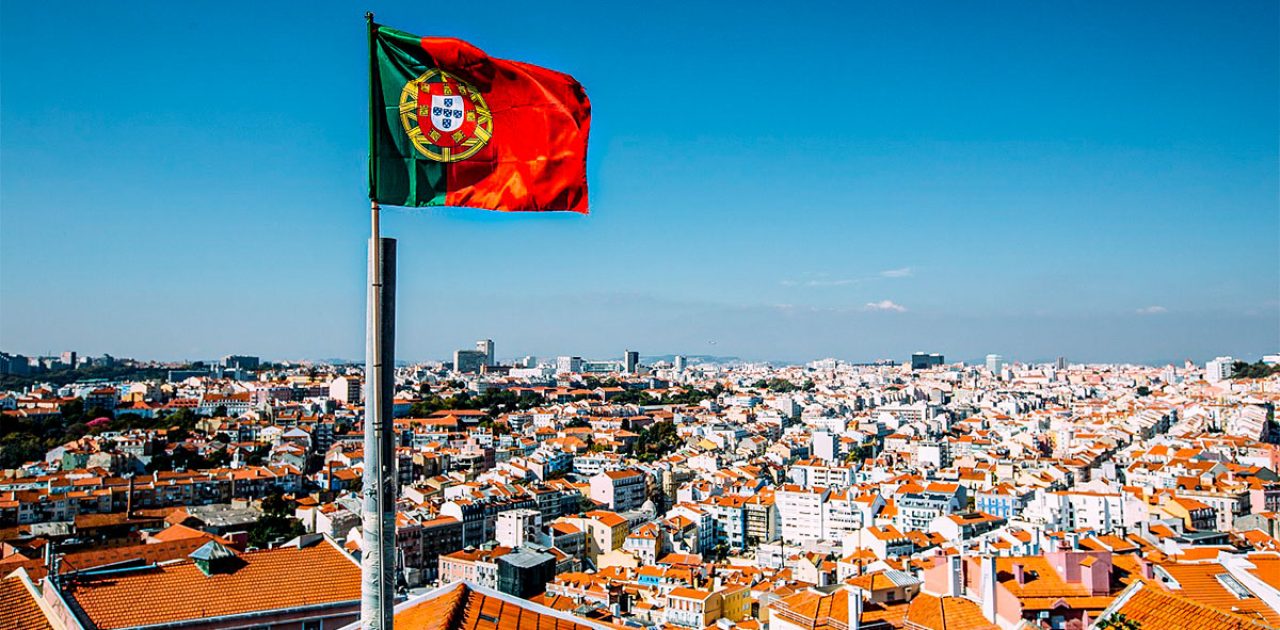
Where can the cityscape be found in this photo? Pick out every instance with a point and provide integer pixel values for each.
(673, 315)
(678, 493)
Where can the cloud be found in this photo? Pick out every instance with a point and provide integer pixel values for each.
(886, 306)
(901, 272)
(1152, 310)
(830, 283)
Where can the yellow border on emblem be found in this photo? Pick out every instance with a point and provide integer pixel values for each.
(409, 118)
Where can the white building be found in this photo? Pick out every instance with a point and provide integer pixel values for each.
(517, 527)
(800, 510)
(621, 490)
(1218, 369)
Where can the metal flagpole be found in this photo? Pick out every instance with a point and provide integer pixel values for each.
(378, 509)
(377, 562)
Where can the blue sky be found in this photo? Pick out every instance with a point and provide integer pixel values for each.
(780, 181)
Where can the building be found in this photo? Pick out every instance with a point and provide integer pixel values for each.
(518, 527)
(568, 365)
(241, 362)
(1218, 369)
(525, 572)
(486, 346)
(924, 360)
(680, 363)
(308, 583)
(620, 490)
(469, 361)
(800, 510)
(692, 608)
(916, 510)
(440, 536)
(630, 361)
(995, 363)
(468, 605)
(347, 390)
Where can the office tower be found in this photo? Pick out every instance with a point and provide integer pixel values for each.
(568, 365)
(630, 361)
(468, 361)
(485, 347)
(680, 363)
(925, 360)
(994, 363)
(242, 362)
(1061, 363)
(69, 359)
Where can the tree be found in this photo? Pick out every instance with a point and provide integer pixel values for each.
(1118, 621)
(656, 441)
(1242, 369)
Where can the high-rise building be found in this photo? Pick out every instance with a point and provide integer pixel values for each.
(1061, 363)
(681, 363)
(468, 361)
(994, 363)
(925, 360)
(485, 346)
(630, 361)
(1218, 369)
(242, 362)
(568, 365)
(69, 358)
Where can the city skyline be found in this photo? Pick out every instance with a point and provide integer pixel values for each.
(1049, 182)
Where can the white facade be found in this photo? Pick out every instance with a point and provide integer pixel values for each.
(800, 510)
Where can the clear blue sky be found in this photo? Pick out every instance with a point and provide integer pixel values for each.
(777, 180)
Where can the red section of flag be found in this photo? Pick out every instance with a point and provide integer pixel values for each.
(536, 158)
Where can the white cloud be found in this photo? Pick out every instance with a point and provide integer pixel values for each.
(885, 305)
(902, 272)
(1152, 310)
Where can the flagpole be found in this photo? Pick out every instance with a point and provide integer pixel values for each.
(378, 569)
(378, 508)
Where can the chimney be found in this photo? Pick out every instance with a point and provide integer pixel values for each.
(989, 589)
(128, 500)
(854, 595)
(956, 576)
(1019, 573)
(1147, 568)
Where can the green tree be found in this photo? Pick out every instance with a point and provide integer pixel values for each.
(1118, 621)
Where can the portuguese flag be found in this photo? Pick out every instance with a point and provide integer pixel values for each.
(452, 126)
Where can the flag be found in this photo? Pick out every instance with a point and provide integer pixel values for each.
(451, 126)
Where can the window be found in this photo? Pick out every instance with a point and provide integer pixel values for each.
(1229, 582)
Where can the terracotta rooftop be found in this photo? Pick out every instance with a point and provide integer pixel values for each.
(465, 606)
(18, 607)
(1153, 608)
(949, 613)
(286, 577)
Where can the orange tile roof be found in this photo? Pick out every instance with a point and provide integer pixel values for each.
(1153, 608)
(18, 607)
(1200, 583)
(464, 606)
(150, 553)
(949, 613)
(286, 577)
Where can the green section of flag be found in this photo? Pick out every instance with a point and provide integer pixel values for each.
(398, 174)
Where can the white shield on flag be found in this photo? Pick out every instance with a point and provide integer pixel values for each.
(447, 112)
